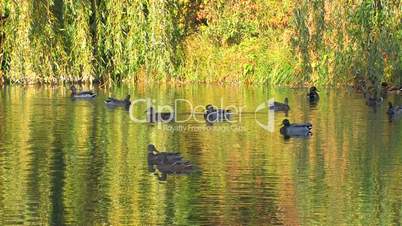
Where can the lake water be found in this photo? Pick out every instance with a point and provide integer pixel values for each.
(65, 162)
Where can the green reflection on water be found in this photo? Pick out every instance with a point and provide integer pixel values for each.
(81, 163)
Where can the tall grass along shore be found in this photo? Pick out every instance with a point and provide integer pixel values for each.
(250, 41)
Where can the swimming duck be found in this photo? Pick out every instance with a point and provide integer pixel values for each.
(394, 110)
(153, 116)
(212, 114)
(278, 106)
(118, 103)
(385, 87)
(313, 94)
(178, 167)
(289, 130)
(372, 101)
(167, 163)
(83, 95)
(156, 158)
(395, 89)
(359, 84)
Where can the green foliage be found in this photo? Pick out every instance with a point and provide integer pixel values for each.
(253, 41)
(301, 39)
(77, 31)
(121, 37)
(335, 43)
(253, 61)
(237, 25)
(164, 46)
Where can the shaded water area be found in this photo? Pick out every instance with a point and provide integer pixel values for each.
(65, 162)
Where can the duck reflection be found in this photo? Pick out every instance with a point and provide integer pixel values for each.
(393, 112)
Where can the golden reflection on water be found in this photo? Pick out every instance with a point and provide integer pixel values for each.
(81, 163)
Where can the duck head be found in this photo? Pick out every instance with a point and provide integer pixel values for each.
(313, 89)
(73, 89)
(285, 122)
(151, 149)
(127, 102)
(286, 100)
(390, 111)
(209, 107)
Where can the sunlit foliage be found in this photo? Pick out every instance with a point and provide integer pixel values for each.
(254, 41)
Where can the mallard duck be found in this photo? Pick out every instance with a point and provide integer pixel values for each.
(295, 129)
(83, 95)
(394, 110)
(390, 88)
(155, 157)
(313, 94)
(167, 162)
(178, 167)
(278, 106)
(359, 84)
(395, 89)
(153, 116)
(118, 103)
(212, 114)
(372, 101)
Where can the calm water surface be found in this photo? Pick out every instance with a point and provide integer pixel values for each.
(65, 162)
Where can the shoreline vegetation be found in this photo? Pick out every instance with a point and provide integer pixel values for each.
(290, 43)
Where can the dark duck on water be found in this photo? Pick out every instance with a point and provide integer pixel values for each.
(313, 94)
(212, 114)
(278, 106)
(112, 102)
(394, 111)
(153, 116)
(295, 129)
(155, 157)
(83, 94)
